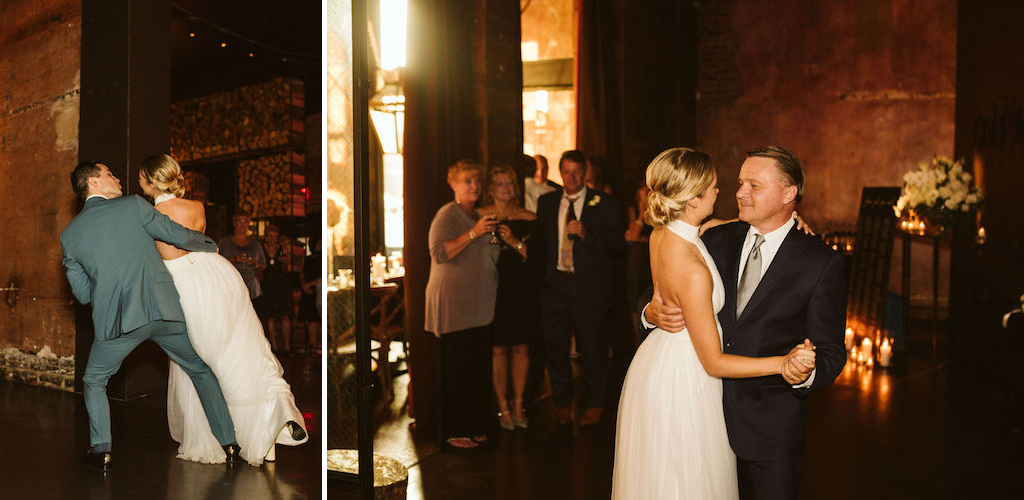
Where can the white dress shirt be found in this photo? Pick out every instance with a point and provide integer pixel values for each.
(563, 209)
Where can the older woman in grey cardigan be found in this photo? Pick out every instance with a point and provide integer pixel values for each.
(460, 307)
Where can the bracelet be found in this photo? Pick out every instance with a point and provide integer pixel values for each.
(472, 235)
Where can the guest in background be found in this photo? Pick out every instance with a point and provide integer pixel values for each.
(245, 253)
(638, 261)
(459, 307)
(517, 309)
(309, 301)
(275, 306)
(537, 184)
(595, 177)
(582, 228)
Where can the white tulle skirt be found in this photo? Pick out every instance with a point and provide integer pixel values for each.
(670, 440)
(228, 336)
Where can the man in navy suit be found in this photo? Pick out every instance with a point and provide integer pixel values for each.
(581, 230)
(781, 286)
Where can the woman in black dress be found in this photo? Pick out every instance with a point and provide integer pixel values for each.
(638, 258)
(309, 307)
(275, 306)
(517, 307)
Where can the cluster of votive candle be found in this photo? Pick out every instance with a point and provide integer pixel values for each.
(865, 353)
(912, 226)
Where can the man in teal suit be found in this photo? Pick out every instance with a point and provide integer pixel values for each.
(111, 262)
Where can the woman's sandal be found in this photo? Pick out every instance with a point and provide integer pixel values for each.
(519, 415)
(505, 420)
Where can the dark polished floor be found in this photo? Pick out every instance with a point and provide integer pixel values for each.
(43, 432)
(921, 431)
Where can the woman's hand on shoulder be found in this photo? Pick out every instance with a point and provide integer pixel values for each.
(802, 225)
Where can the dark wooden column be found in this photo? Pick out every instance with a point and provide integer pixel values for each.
(498, 81)
(125, 116)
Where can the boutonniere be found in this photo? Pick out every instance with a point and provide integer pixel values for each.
(595, 200)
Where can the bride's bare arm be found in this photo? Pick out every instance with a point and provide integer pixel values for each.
(691, 289)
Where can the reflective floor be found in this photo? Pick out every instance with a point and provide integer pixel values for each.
(922, 431)
(43, 432)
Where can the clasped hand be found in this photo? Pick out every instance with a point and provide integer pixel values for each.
(576, 227)
(799, 363)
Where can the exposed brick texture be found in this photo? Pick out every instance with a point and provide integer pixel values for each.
(39, 109)
(860, 90)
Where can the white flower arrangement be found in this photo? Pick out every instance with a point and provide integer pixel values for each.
(941, 186)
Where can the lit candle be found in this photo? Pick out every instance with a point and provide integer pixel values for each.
(981, 235)
(885, 353)
(378, 267)
(867, 349)
(903, 225)
(849, 338)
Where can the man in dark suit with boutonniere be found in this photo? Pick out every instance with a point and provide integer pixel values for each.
(782, 286)
(581, 228)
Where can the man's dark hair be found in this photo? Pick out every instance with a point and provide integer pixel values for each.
(80, 177)
(573, 155)
(788, 164)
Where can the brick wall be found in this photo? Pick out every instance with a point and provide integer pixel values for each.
(860, 90)
(39, 109)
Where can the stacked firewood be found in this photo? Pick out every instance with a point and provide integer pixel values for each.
(248, 118)
(269, 186)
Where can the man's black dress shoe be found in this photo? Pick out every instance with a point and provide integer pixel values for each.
(298, 433)
(231, 454)
(100, 459)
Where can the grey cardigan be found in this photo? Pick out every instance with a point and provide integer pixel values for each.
(461, 291)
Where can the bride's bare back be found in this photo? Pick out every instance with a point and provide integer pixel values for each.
(188, 213)
(684, 280)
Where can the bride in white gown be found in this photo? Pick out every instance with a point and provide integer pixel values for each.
(227, 335)
(670, 438)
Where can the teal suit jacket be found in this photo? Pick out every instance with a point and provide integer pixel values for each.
(111, 261)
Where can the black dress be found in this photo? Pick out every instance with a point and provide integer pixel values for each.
(307, 302)
(276, 301)
(517, 308)
(638, 267)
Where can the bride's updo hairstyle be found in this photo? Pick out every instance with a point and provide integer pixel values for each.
(164, 172)
(675, 177)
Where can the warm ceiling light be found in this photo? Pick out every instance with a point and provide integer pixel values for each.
(223, 44)
(191, 34)
(250, 54)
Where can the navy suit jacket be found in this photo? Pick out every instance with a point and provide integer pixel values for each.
(592, 254)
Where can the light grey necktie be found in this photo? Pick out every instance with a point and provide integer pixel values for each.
(751, 276)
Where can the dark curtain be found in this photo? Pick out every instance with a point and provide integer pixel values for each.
(597, 86)
(438, 125)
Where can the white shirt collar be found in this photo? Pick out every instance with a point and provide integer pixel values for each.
(772, 243)
(773, 239)
(579, 195)
(95, 196)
